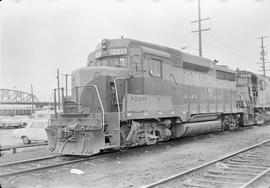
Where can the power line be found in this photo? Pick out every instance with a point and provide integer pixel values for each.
(263, 53)
(200, 27)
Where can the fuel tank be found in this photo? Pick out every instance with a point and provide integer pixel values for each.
(197, 128)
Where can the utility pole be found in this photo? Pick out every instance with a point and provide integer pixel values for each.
(66, 77)
(55, 104)
(32, 100)
(263, 53)
(200, 27)
(58, 88)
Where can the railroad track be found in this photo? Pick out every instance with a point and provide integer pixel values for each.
(239, 169)
(49, 162)
(43, 163)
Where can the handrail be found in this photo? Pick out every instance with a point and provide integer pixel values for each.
(172, 75)
(99, 98)
(116, 93)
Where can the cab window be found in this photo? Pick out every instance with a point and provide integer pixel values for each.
(102, 62)
(118, 62)
(112, 62)
(155, 67)
(262, 85)
(242, 81)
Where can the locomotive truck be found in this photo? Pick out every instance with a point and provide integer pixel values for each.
(137, 93)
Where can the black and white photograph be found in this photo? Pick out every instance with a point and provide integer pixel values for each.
(134, 93)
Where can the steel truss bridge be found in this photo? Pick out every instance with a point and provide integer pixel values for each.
(12, 97)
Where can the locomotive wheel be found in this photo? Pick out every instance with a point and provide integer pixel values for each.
(122, 144)
(123, 149)
(26, 140)
(231, 126)
(157, 133)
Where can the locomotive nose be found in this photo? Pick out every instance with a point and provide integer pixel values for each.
(82, 76)
(94, 97)
(90, 83)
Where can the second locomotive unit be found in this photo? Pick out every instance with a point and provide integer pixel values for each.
(137, 93)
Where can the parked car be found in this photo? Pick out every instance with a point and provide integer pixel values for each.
(23, 119)
(34, 131)
(7, 122)
(2, 121)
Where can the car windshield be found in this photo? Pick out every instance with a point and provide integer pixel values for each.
(111, 62)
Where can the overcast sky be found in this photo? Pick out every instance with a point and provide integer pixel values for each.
(39, 36)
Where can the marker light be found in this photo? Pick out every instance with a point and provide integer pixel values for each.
(104, 44)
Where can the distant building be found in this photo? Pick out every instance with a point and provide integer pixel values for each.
(11, 110)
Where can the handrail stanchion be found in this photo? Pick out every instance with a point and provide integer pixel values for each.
(117, 99)
(116, 93)
(102, 108)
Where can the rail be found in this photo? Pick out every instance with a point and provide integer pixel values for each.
(14, 149)
(196, 169)
(99, 98)
(27, 161)
(255, 179)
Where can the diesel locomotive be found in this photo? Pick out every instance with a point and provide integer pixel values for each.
(136, 93)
